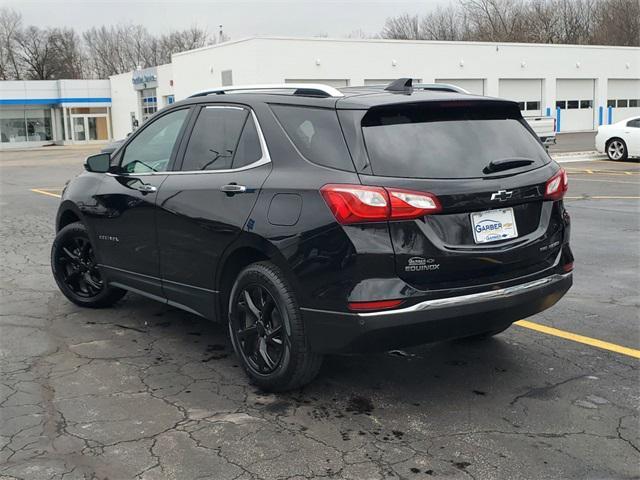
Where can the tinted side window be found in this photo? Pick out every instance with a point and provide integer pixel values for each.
(635, 123)
(248, 150)
(214, 138)
(151, 150)
(316, 133)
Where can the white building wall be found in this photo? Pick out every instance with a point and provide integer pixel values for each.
(124, 102)
(276, 59)
(165, 84)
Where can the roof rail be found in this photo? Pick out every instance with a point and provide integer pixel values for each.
(303, 89)
(443, 87)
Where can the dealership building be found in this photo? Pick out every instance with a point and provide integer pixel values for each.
(581, 86)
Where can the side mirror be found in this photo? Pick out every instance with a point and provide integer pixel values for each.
(99, 163)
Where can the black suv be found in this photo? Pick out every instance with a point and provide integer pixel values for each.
(314, 220)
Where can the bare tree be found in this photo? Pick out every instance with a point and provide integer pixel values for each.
(122, 48)
(404, 27)
(608, 22)
(37, 53)
(183, 40)
(445, 24)
(68, 60)
(10, 27)
(618, 23)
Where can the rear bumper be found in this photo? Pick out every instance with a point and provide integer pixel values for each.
(431, 320)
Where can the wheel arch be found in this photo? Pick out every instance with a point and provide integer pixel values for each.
(245, 252)
(68, 213)
(611, 139)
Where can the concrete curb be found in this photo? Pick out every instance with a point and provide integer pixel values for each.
(569, 157)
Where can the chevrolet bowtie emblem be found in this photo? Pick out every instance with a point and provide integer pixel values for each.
(502, 195)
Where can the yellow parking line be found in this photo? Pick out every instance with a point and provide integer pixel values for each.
(574, 337)
(44, 192)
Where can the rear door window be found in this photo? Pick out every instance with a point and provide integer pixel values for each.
(249, 150)
(439, 140)
(214, 138)
(317, 135)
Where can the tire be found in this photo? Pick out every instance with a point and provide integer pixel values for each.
(616, 149)
(267, 331)
(75, 270)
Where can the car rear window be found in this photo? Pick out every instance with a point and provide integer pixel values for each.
(447, 140)
(317, 135)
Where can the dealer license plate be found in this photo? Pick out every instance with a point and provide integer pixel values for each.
(493, 225)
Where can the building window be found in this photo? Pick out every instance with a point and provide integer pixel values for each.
(634, 103)
(25, 125)
(572, 104)
(149, 103)
(226, 77)
(533, 105)
(586, 103)
(611, 103)
(561, 104)
(622, 104)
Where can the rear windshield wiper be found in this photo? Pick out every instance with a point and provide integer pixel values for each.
(506, 164)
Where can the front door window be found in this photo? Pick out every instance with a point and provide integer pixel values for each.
(151, 149)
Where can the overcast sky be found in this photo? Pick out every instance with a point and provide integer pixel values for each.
(239, 18)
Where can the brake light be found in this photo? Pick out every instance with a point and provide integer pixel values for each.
(407, 204)
(568, 267)
(361, 203)
(356, 203)
(556, 186)
(375, 305)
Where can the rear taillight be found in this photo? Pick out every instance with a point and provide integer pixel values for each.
(356, 203)
(361, 203)
(556, 186)
(407, 204)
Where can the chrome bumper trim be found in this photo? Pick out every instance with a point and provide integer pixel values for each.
(471, 298)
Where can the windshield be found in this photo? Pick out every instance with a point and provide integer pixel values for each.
(426, 141)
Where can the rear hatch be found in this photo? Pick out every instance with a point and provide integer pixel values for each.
(488, 173)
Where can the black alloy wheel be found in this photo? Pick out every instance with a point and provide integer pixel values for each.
(76, 271)
(258, 328)
(77, 267)
(267, 330)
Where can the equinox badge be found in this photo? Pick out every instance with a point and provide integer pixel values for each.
(502, 195)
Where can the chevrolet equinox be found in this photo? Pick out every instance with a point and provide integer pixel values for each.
(313, 220)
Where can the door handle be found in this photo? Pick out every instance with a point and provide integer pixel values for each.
(146, 188)
(233, 188)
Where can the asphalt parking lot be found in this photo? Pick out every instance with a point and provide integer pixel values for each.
(146, 391)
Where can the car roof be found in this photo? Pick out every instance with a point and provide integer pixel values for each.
(353, 98)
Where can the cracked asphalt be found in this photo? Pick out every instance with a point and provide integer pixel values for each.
(144, 391)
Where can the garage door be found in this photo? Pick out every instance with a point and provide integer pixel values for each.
(332, 82)
(574, 98)
(526, 91)
(471, 85)
(623, 96)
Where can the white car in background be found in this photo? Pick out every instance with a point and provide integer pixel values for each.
(619, 140)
